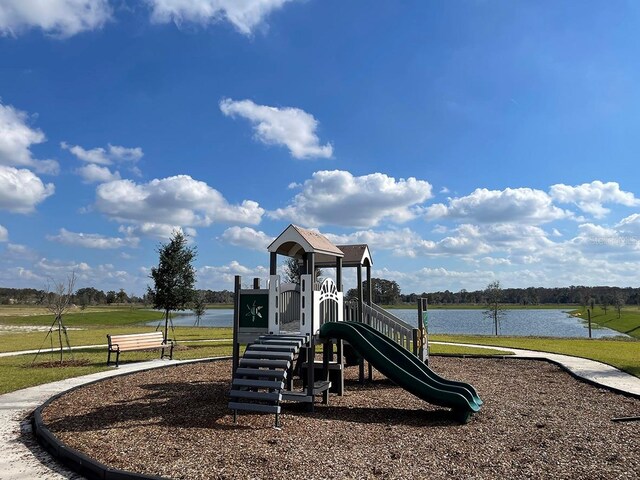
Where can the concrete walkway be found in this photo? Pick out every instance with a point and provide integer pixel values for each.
(596, 373)
(23, 459)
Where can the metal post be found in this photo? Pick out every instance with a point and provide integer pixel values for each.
(423, 325)
(236, 324)
(360, 317)
(256, 284)
(589, 317)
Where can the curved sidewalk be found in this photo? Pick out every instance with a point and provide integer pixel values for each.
(596, 373)
(23, 459)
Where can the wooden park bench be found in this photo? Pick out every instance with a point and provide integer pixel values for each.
(137, 341)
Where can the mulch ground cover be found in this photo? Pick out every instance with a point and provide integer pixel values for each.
(537, 422)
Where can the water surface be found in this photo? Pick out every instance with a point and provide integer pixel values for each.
(530, 322)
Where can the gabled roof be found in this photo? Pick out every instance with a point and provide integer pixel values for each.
(295, 241)
(354, 255)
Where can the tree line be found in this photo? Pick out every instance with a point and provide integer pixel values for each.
(90, 296)
(385, 292)
(577, 295)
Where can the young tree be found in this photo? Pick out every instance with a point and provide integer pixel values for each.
(495, 310)
(199, 306)
(605, 303)
(174, 277)
(618, 302)
(58, 302)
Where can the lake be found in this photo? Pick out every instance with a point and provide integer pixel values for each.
(539, 322)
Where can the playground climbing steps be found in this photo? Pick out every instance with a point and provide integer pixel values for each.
(259, 382)
(403, 368)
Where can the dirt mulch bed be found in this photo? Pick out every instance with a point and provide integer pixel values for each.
(537, 422)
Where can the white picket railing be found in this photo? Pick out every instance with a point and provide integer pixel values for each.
(382, 320)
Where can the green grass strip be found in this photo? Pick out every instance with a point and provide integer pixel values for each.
(18, 372)
(620, 353)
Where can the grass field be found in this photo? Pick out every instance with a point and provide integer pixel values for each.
(620, 353)
(629, 321)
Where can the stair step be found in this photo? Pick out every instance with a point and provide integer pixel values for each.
(290, 343)
(255, 362)
(254, 407)
(273, 348)
(268, 355)
(255, 383)
(263, 396)
(260, 373)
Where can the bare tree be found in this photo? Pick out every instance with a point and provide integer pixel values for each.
(58, 302)
(495, 310)
(618, 302)
(199, 307)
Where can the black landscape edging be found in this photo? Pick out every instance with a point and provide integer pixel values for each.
(78, 461)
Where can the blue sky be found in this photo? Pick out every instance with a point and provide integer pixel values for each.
(465, 141)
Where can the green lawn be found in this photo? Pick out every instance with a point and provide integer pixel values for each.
(620, 353)
(629, 321)
(18, 372)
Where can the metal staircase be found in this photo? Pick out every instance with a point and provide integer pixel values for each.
(262, 373)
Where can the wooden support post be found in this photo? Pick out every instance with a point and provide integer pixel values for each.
(273, 263)
(256, 284)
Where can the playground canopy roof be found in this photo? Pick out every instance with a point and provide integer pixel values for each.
(295, 241)
(354, 255)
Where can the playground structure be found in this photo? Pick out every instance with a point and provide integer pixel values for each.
(283, 324)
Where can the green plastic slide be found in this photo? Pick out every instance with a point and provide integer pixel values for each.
(404, 368)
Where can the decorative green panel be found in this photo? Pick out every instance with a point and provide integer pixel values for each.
(254, 310)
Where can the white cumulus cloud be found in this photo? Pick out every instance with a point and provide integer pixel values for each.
(339, 198)
(62, 18)
(16, 139)
(629, 225)
(157, 230)
(292, 127)
(21, 190)
(92, 240)
(4, 234)
(523, 205)
(173, 201)
(105, 156)
(247, 237)
(222, 276)
(93, 173)
(244, 15)
(591, 197)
